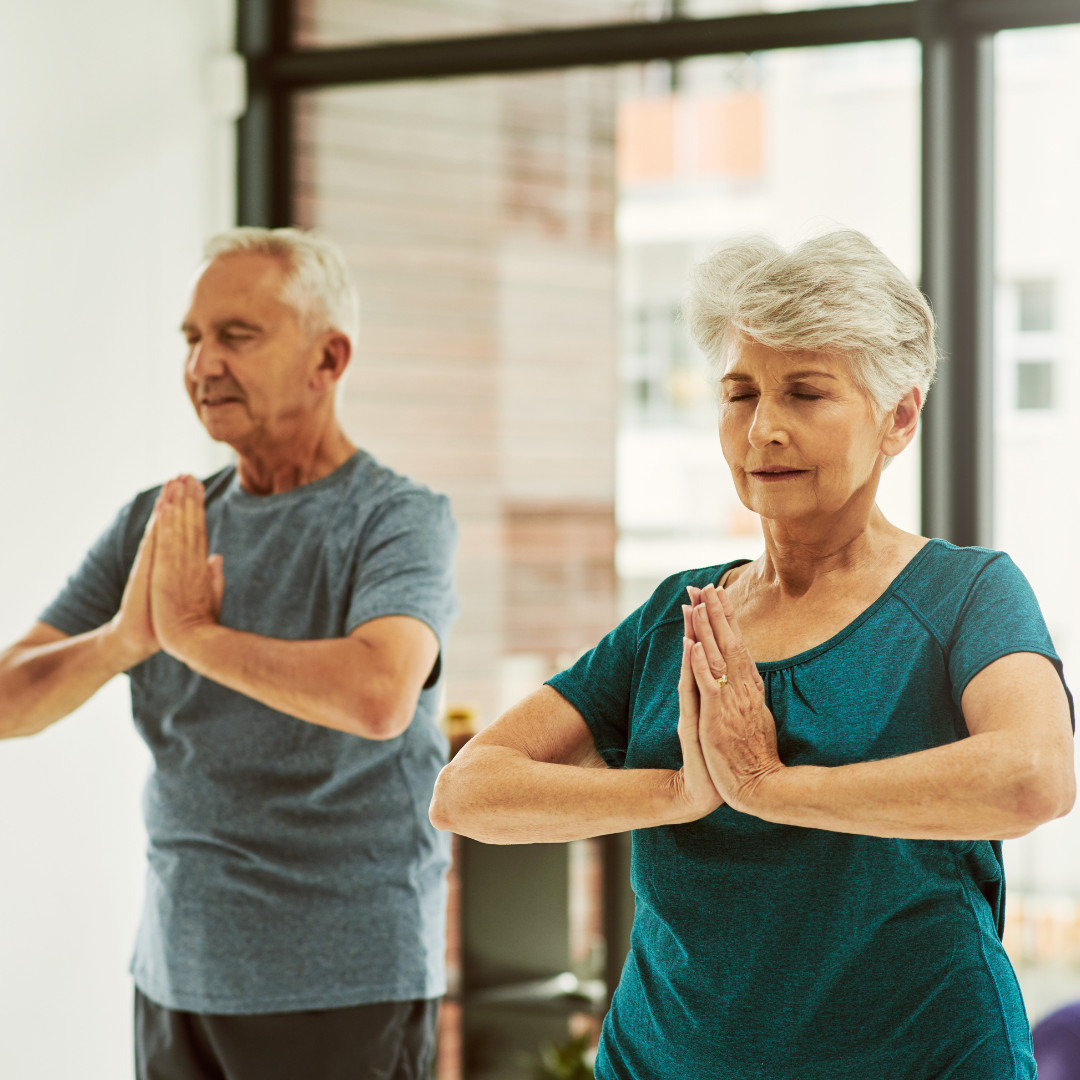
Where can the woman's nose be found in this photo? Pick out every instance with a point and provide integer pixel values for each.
(768, 426)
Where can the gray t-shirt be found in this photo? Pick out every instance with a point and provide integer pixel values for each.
(290, 866)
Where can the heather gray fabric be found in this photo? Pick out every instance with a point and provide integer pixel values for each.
(291, 867)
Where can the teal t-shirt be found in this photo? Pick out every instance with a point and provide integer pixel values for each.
(774, 952)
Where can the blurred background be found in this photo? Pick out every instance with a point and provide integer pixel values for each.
(520, 210)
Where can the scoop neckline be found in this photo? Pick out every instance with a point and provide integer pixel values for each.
(846, 631)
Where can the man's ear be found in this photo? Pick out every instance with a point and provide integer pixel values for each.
(901, 423)
(336, 354)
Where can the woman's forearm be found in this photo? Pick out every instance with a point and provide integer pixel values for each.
(990, 786)
(499, 795)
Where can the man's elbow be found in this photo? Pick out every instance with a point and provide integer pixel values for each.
(379, 715)
(381, 724)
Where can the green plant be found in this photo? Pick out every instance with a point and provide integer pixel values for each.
(567, 1062)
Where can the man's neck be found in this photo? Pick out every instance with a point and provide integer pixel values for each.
(272, 469)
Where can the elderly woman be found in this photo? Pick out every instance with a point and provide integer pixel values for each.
(818, 751)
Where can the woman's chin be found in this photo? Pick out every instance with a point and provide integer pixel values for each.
(780, 508)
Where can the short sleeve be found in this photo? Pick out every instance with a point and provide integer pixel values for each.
(999, 616)
(93, 593)
(600, 686)
(406, 564)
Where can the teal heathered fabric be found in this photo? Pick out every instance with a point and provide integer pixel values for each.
(773, 952)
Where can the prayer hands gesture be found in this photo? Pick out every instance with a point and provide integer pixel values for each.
(173, 588)
(727, 732)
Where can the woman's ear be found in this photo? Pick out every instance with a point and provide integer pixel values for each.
(902, 423)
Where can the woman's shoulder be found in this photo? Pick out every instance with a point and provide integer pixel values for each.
(945, 580)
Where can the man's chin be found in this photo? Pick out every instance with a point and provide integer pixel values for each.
(222, 429)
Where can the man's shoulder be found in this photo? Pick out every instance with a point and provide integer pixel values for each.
(378, 490)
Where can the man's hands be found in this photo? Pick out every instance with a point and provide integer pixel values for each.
(185, 585)
(727, 730)
(173, 588)
(131, 628)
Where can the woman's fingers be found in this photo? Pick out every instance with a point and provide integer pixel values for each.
(707, 686)
(705, 635)
(689, 699)
(688, 621)
(722, 619)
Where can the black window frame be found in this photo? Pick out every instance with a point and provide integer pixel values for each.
(957, 162)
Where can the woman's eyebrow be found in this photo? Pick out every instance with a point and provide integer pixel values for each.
(795, 376)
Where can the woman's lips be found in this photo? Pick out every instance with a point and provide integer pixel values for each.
(774, 476)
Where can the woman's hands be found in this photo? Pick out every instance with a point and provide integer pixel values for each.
(696, 787)
(727, 729)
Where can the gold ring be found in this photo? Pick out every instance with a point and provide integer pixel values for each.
(722, 681)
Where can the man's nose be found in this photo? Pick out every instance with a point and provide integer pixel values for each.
(203, 362)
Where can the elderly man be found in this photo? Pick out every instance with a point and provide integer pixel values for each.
(281, 625)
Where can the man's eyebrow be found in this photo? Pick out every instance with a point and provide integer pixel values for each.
(238, 324)
(225, 324)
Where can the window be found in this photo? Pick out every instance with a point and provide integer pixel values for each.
(1035, 384)
(1036, 305)
(1036, 486)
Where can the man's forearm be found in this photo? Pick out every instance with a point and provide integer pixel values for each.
(985, 787)
(337, 683)
(42, 683)
(499, 795)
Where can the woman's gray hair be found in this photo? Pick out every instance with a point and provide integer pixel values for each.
(836, 293)
(320, 287)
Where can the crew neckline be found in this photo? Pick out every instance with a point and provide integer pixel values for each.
(341, 475)
(859, 620)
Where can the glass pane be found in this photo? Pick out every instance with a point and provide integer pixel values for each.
(353, 22)
(478, 215)
(1037, 408)
(787, 143)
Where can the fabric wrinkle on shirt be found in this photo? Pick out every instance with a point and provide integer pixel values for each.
(290, 866)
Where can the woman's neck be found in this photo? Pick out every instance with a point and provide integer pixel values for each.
(800, 554)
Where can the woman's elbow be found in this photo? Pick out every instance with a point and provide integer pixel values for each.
(441, 813)
(1044, 791)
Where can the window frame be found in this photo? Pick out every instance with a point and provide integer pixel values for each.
(957, 162)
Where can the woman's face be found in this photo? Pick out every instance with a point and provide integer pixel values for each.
(799, 435)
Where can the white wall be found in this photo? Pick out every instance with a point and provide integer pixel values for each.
(117, 161)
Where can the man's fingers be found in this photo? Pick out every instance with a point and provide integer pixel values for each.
(216, 565)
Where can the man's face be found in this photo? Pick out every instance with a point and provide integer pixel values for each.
(249, 366)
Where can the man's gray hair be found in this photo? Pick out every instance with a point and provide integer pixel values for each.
(320, 286)
(836, 293)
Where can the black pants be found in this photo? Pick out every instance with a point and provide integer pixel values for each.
(391, 1041)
